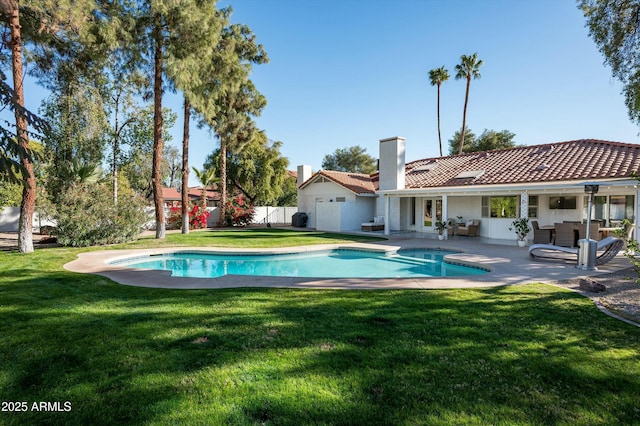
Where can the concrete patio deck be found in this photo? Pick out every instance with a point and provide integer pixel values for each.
(509, 265)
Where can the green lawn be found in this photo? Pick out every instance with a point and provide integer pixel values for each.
(531, 354)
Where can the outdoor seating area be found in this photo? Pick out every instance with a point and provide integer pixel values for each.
(376, 225)
(470, 228)
(568, 233)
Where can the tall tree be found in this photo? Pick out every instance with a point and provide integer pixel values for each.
(614, 25)
(199, 45)
(79, 128)
(491, 139)
(437, 76)
(185, 165)
(468, 68)
(487, 141)
(228, 100)
(27, 206)
(56, 26)
(259, 170)
(125, 111)
(137, 161)
(353, 160)
(163, 36)
(158, 143)
(456, 139)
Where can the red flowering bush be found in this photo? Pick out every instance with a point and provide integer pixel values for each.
(237, 212)
(197, 218)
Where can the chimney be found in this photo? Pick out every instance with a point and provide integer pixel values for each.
(391, 163)
(304, 173)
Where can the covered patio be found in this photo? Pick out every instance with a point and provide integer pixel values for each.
(494, 209)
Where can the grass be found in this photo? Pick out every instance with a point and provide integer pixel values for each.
(522, 355)
(254, 238)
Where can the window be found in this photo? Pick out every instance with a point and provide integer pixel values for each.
(340, 199)
(533, 206)
(610, 209)
(563, 203)
(500, 207)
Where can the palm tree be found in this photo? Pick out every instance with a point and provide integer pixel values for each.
(207, 177)
(437, 77)
(468, 67)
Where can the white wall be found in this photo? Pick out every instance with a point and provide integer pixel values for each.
(347, 216)
(353, 215)
(10, 217)
(328, 217)
(321, 190)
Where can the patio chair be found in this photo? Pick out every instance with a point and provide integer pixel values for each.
(452, 226)
(376, 225)
(566, 235)
(541, 236)
(594, 234)
(606, 250)
(470, 229)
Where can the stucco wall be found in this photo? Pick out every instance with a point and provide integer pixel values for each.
(324, 190)
(10, 216)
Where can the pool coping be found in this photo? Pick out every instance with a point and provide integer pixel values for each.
(507, 266)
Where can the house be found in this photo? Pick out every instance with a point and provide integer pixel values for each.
(542, 182)
(173, 196)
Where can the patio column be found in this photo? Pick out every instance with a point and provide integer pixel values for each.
(636, 220)
(524, 205)
(445, 214)
(387, 210)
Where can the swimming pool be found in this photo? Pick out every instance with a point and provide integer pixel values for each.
(338, 263)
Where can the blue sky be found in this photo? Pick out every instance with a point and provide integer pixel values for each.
(351, 72)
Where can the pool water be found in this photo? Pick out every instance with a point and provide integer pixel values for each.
(341, 263)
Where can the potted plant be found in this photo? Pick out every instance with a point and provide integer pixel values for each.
(441, 226)
(522, 228)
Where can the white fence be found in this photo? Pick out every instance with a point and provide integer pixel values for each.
(9, 217)
(274, 215)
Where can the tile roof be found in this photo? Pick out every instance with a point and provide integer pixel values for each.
(583, 159)
(355, 182)
(171, 194)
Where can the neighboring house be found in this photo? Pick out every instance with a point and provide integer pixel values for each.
(173, 197)
(541, 182)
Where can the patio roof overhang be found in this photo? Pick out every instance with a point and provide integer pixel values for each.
(559, 187)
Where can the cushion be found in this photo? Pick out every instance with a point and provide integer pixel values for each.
(469, 223)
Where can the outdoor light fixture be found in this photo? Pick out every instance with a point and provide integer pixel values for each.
(591, 188)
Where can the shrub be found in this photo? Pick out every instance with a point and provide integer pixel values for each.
(86, 216)
(197, 218)
(237, 212)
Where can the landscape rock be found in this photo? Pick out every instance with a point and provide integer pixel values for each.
(587, 284)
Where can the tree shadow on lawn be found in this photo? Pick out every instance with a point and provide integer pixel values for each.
(529, 354)
(275, 233)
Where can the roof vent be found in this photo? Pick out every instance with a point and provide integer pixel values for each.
(426, 167)
(470, 174)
